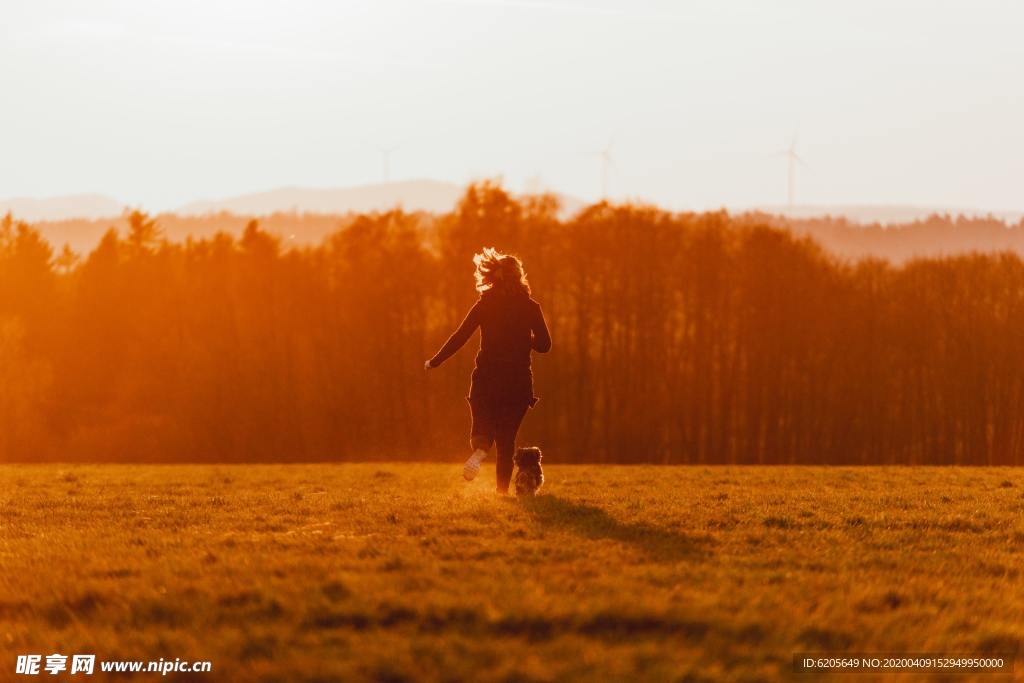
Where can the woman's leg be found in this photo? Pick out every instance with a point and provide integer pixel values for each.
(482, 426)
(506, 428)
(481, 436)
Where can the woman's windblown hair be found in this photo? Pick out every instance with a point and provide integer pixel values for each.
(499, 272)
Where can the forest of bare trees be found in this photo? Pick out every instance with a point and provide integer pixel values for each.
(678, 338)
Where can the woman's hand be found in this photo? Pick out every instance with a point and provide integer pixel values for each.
(428, 366)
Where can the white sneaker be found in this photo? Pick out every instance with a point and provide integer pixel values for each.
(472, 466)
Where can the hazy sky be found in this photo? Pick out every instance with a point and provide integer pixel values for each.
(161, 102)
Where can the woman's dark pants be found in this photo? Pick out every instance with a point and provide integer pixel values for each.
(496, 421)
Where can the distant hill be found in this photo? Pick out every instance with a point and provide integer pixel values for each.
(84, 206)
(432, 196)
(299, 215)
(412, 195)
(304, 216)
(884, 214)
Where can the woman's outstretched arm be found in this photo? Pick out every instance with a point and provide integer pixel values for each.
(541, 336)
(458, 338)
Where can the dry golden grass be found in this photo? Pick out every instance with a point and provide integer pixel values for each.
(404, 572)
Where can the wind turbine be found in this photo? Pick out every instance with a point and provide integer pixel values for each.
(385, 161)
(793, 158)
(607, 164)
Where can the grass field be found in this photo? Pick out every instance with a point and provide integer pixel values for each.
(404, 572)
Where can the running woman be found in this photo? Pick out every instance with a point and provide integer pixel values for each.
(501, 391)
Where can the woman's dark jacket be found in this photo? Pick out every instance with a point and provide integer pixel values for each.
(511, 326)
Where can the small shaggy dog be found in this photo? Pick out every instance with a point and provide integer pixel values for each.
(530, 476)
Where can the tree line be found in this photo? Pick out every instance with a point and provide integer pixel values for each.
(678, 338)
(899, 240)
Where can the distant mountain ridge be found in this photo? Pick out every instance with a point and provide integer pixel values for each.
(65, 207)
(306, 215)
(434, 196)
(884, 214)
